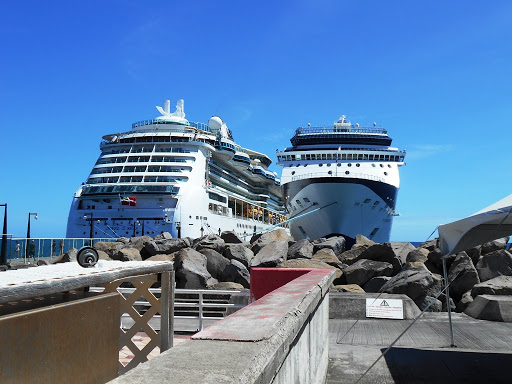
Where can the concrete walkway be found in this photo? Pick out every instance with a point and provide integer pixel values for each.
(423, 355)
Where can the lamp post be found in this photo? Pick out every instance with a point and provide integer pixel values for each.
(28, 233)
(3, 257)
(91, 227)
(135, 223)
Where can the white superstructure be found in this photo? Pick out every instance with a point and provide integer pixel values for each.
(346, 175)
(170, 174)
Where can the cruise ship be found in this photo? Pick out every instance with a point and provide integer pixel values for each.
(341, 180)
(172, 175)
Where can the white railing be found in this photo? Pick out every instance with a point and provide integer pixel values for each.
(337, 174)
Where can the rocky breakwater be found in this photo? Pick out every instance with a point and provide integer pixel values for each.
(225, 262)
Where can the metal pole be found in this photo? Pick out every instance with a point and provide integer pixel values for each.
(3, 257)
(448, 306)
(91, 229)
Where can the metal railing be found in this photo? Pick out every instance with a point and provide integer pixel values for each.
(338, 174)
(200, 305)
(23, 250)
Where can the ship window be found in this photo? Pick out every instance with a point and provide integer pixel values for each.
(367, 200)
(298, 202)
(374, 232)
(329, 164)
(293, 172)
(349, 156)
(381, 165)
(389, 165)
(339, 164)
(344, 156)
(357, 165)
(373, 165)
(371, 157)
(298, 165)
(360, 157)
(347, 172)
(306, 200)
(385, 173)
(376, 203)
(324, 156)
(320, 165)
(330, 172)
(349, 164)
(329, 156)
(305, 165)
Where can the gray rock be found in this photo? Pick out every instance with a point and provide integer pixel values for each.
(417, 255)
(302, 249)
(70, 255)
(423, 301)
(494, 264)
(310, 263)
(163, 257)
(430, 245)
(138, 242)
(464, 302)
(501, 285)
(352, 255)
(347, 288)
(227, 285)
(231, 237)
(362, 241)
(236, 272)
(165, 246)
(436, 287)
(211, 241)
(215, 262)
(328, 256)
(409, 282)
(363, 270)
(191, 272)
(123, 240)
(103, 256)
(151, 248)
(494, 245)
(467, 276)
(260, 240)
(271, 254)
(393, 253)
(337, 244)
(491, 307)
(474, 254)
(127, 254)
(110, 248)
(375, 284)
(163, 236)
(239, 252)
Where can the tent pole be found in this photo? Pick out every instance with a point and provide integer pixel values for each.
(448, 306)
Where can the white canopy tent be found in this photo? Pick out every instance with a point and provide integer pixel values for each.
(488, 224)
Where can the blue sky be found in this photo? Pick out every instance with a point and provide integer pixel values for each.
(436, 74)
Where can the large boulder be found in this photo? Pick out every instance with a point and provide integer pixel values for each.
(501, 285)
(239, 252)
(429, 245)
(494, 245)
(313, 264)
(231, 237)
(354, 288)
(352, 255)
(260, 240)
(494, 264)
(410, 282)
(271, 254)
(393, 253)
(164, 246)
(474, 253)
(417, 255)
(110, 247)
(328, 256)
(433, 304)
(191, 272)
(211, 241)
(302, 249)
(70, 255)
(163, 236)
(337, 244)
(127, 254)
(162, 257)
(236, 272)
(138, 242)
(463, 275)
(491, 307)
(215, 262)
(227, 285)
(363, 270)
(375, 283)
(362, 241)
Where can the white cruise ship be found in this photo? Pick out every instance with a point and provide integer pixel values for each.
(341, 180)
(170, 174)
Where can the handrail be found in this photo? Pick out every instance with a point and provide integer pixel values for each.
(334, 129)
(333, 174)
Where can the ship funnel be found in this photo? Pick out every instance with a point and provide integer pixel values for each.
(167, 106)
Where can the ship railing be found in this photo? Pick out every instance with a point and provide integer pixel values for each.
(332, 129)
(46, 249)
(316, 175)
(201, 126)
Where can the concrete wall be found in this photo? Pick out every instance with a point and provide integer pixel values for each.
(280, 338)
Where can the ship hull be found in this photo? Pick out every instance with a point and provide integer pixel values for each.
(339, 206)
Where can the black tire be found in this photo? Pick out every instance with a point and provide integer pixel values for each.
(87, 257)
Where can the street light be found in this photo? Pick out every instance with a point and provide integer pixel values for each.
(3, 257)
(28, 232)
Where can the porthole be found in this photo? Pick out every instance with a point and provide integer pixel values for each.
(329, 164)
(389, 165)
(320, 165)
(357, 165)
(349, 164)
(385, 173)
(381, 166)
(347, 172)
(293, 172)
(305, 165)
(298, 165)
(373, 165)
(339, 164)
(330, 172)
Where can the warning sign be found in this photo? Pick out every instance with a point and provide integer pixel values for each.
(385, 308)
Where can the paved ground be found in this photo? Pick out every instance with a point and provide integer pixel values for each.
(483, 352)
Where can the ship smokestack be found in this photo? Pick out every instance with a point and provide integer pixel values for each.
(167, 106)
